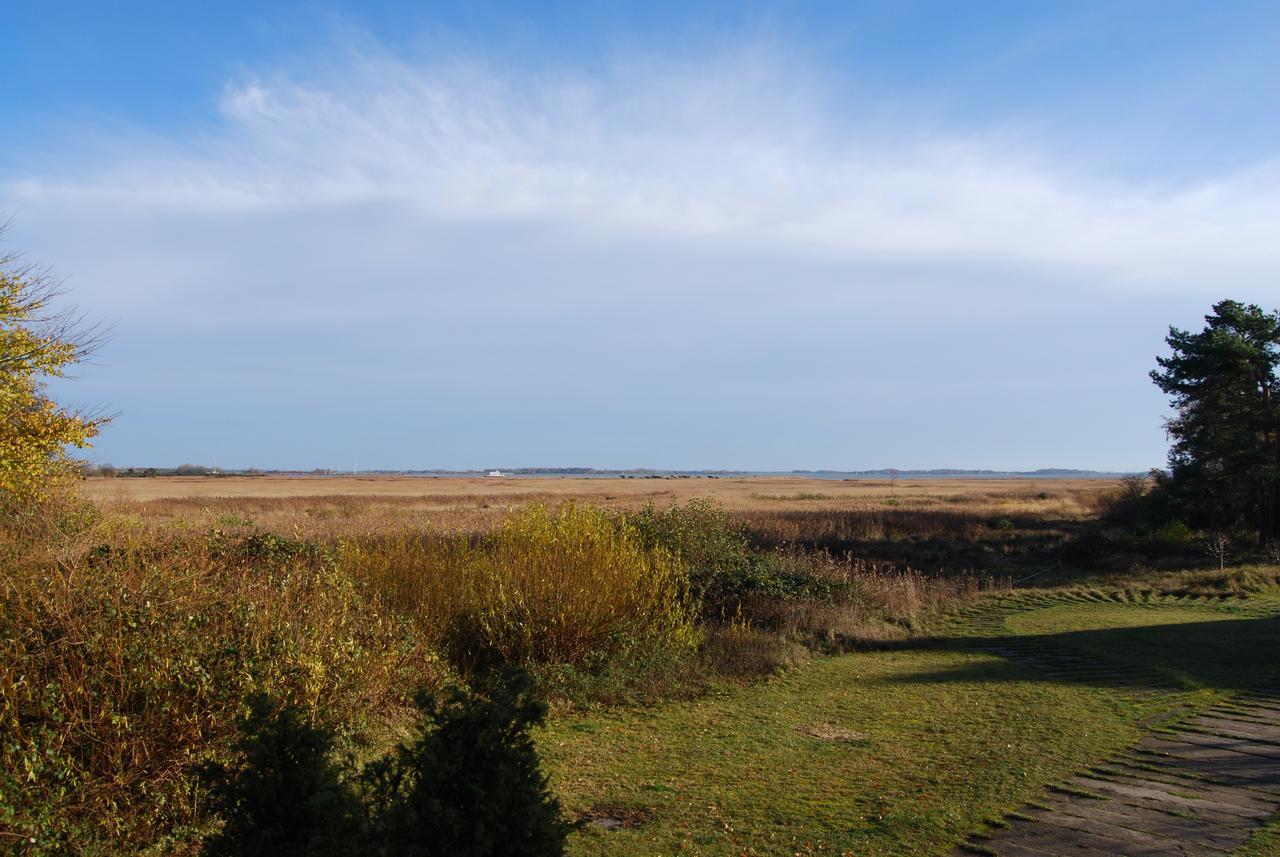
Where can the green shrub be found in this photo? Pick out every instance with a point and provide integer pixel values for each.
(285, 797)
(1174, 533)
(470, 784)
(705, 537)
(723, 569)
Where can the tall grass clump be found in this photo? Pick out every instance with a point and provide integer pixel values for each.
(841, 603)
(569, 587)
(124, 659)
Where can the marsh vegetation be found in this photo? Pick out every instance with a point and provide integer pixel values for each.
(134, 630)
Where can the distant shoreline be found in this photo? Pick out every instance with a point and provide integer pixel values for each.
(636, 473)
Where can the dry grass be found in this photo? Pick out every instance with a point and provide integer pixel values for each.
(734, 493)
(328, 507)
(1233, 582)
(875, 604)
(964, 515)
(875, 607)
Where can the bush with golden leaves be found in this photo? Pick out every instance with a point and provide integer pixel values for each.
(122, 663)
(574, 586)
(37, 342)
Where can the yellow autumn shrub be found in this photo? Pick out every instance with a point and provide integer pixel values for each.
(574, 586)
(36, 343)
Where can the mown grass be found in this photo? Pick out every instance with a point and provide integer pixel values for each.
(734, 774)
(1264, 843)
(1206, 646)
(948, 739)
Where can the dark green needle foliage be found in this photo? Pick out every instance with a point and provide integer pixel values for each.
(1224, 463)
(285, 797)
(470, 784)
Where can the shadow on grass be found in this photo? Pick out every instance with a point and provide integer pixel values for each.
(1227, 655)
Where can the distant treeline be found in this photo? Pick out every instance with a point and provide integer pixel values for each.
(110, 470)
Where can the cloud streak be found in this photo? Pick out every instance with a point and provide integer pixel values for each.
(734, 151)
(729, 214)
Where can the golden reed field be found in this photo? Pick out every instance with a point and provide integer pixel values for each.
(340, 505)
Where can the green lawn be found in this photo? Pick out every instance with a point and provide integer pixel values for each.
(1218, 645)
(1265, 843)
(945, 737)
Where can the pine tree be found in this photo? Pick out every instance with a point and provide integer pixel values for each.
(284, 797)
(471, 784)
(1224, 463)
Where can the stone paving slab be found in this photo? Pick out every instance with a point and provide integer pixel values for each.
(1152, 821)
(1231, 757)
(1199, 787)
(1148, 805)
(1254, 732)
(1229, 743)
(1174, 799)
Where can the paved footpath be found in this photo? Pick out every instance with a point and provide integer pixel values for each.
(1200, 786)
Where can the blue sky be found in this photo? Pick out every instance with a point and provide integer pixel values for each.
(773, 236)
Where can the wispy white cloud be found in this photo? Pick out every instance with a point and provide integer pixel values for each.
(706, 207)
(734, 151)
